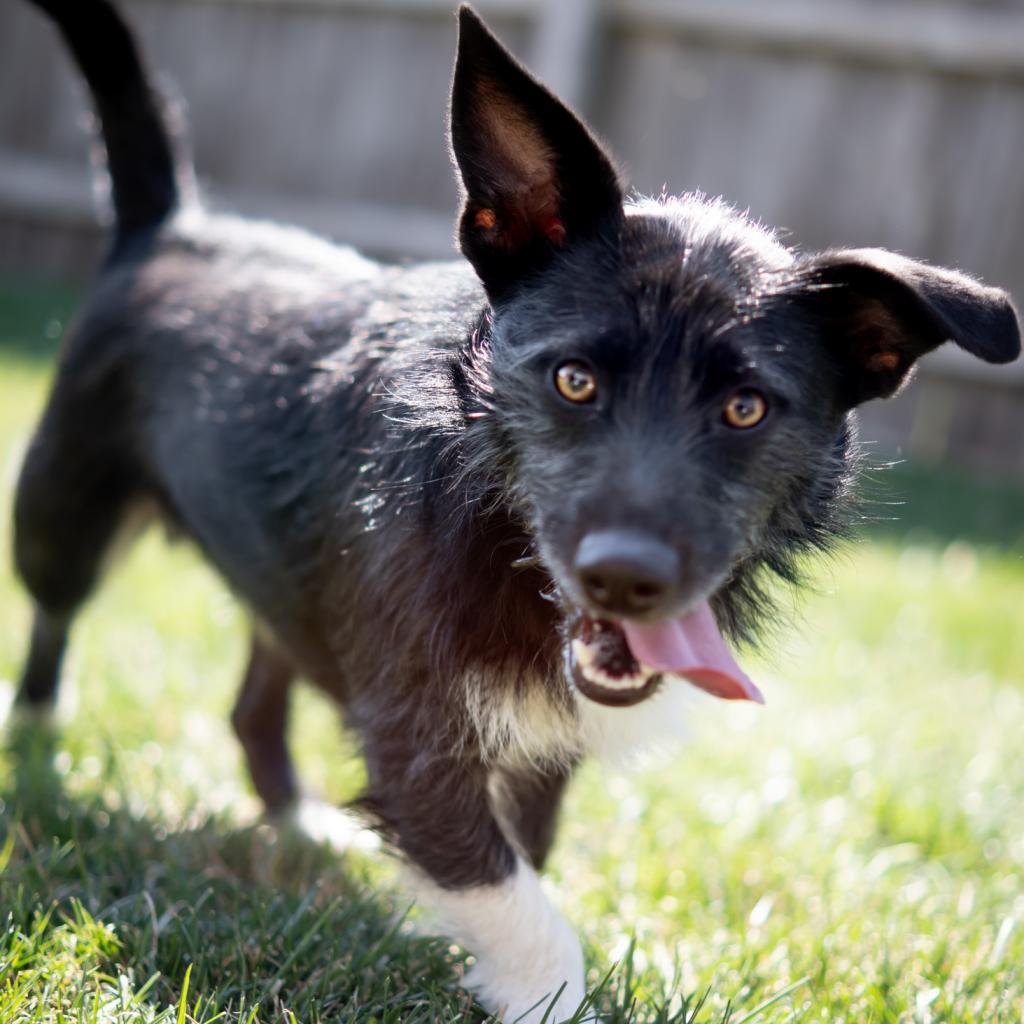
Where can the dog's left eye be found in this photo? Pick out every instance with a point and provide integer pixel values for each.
(745, 409)
(576, 382)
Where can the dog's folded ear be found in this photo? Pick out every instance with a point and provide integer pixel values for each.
(535, 180)
(881, 312)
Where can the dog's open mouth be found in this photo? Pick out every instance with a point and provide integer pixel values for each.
(604, 668)
(622, 662)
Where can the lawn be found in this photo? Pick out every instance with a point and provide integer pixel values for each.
(852, 852)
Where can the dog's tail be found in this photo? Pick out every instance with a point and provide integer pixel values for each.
(147, 174)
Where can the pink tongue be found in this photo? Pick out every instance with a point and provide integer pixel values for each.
(693, 647)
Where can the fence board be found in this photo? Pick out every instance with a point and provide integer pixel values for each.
(963, 40)
(846, 122)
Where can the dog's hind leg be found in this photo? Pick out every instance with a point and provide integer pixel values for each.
(260, 719)
(71, 500)
(40, 677)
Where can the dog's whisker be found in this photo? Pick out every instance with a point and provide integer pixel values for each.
(526, 562)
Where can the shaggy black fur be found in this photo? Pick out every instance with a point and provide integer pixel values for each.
(377, 459)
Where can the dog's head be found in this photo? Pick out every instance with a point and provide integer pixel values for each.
(674, 384)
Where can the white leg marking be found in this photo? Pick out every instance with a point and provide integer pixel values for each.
(525, 950)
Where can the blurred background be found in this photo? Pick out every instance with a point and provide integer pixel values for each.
(897, 123)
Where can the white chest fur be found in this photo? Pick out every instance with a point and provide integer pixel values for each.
(527, 726)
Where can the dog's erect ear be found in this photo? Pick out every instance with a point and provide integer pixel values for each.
(882, 312)
(534, 178)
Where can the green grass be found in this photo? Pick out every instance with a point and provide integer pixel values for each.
(862, 835)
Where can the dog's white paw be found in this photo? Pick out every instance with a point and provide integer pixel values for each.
(540, 996)
(528, 959)
(329, 826)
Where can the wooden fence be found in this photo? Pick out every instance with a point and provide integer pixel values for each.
(847, 122)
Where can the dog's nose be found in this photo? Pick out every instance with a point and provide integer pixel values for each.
(625, 572)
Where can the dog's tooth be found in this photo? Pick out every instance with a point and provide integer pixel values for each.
(585, 654)
(526, 562)
(634, 681)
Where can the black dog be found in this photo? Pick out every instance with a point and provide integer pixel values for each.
(500, 508)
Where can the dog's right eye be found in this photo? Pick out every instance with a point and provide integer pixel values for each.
(576, 382)
(745, 409)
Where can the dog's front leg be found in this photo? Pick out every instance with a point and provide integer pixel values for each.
(463, 870)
